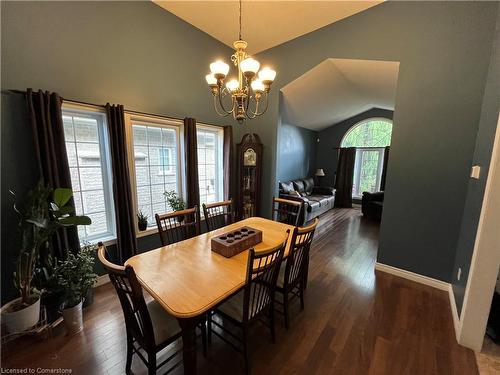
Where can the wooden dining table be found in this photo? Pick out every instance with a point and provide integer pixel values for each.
(188, 279)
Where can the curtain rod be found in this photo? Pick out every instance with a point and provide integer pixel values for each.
(126, 110)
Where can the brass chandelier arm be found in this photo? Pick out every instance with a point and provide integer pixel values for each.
(253, 114)
(219, 95)
(222, 114)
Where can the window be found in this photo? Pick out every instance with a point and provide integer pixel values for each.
(370, 137)
(86, 138)
(165, 156)
(210, 171)
(155, 146)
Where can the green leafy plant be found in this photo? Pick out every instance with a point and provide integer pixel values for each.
(43, 213)
(174, 201)
(75, 275)
(142, 218)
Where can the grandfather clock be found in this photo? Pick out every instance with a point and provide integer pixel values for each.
(249, 176)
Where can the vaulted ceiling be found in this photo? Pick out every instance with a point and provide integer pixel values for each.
(338, 89)
(265, 23)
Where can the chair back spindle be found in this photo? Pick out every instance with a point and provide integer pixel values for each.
(219, 214)
(297, 261)
(287, 211)
(262, 275)
(178, 226)
(137, 319)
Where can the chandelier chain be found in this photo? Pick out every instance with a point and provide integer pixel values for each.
(240, 21)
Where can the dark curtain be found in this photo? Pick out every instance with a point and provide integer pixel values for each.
(45, 115)
(228, 155)
(384, 168)
(191, 160)
(345, 174)
(124, 212)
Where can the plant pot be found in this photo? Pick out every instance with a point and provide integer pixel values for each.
(52, 302)
(89, 298)
(143, 226)
(20, 320)
(73, 319)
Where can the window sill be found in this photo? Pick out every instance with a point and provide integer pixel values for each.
(147, 232)
(107, 241)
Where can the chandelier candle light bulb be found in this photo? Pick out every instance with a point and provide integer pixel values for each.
(249, 95)
(233, 85)
(258, 86)
(219, 69)
(250, 67)
(211, 80)
(267, 75)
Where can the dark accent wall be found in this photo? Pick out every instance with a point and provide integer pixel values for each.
(132, 53)
(443, 49)
(297, 152)
(482, 157)
(332, 136)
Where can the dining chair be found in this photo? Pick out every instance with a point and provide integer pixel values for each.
(254, 302)
(219, 214)
(293, 272)
(150, 329)
(178, 225)
(287, 211)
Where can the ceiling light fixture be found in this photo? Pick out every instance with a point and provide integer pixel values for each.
(251, 85)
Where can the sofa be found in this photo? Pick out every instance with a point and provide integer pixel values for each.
(372, 205)
(316, 199)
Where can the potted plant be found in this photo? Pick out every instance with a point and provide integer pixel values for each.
(88, 299)
(44, 212)
(75, 277)
(142, 221)
(175, 202)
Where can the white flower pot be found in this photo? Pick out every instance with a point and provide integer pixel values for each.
(21, 320)
(73, 319)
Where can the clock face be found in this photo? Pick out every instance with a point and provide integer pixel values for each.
(250, 157)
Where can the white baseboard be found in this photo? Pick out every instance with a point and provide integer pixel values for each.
(438, 284)
(101, 280)
(454, 312)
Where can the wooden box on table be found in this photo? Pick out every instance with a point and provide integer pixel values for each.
(231, 243)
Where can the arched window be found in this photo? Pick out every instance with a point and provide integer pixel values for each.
(370, 137)
(375, 132)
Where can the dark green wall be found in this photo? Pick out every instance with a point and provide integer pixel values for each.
(482, 157)
(132, 53)
(443, 50)
(331, 138)
(297, 152)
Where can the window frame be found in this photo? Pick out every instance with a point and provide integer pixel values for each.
(219, 149)
(165, 170)
(359, 123)
(132, 119)
(360, 150)
(357, 169)
(99, 114)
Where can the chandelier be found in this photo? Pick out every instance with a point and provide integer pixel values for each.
(248, 93)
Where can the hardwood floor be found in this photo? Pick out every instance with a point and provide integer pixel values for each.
(488, 361)
(354, 322)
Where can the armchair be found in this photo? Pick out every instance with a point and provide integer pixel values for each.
(372, 205)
